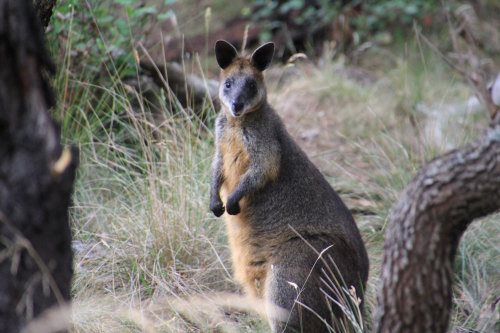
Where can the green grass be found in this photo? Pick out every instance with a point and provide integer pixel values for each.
(150, 257)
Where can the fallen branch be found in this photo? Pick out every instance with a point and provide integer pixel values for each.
(190, 90)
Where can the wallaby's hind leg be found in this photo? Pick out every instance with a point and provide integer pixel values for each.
(295, 279)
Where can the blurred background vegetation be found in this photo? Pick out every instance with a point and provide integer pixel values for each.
(365, 87)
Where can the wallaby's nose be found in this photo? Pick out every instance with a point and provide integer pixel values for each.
(237, 107)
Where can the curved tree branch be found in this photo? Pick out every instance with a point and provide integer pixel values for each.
(423, 235)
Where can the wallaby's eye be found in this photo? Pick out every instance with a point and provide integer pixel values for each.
(227, 84)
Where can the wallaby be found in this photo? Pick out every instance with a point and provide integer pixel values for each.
(280, 210)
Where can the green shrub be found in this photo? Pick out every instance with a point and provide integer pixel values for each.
(367, 17)
(102, 34)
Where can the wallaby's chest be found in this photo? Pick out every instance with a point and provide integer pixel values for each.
(234, 155)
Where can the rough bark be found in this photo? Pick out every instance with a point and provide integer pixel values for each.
(423, 235)
(36, 176)
(44, 10)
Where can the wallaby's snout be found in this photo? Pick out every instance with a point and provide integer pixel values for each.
(241, 92)
(237, 107)
(242, 88)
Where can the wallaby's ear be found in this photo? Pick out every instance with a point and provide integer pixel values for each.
(225, 53)
(262, 57)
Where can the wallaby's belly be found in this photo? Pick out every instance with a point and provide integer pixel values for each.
(250, 262)
(235, 159)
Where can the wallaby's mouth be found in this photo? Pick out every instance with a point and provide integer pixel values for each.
(236, 114)
(237, 108)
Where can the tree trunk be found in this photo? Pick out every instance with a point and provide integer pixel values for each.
(36, 176)
(423, 235)
(44, 10)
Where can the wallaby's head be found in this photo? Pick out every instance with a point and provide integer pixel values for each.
(242, 88)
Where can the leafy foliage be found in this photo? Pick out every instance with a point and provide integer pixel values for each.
(380, 15)
(366, 16)
(102, 32)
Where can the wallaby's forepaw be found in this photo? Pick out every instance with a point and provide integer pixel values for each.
(232, 207)
(217, 207)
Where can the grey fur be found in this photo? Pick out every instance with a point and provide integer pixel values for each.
(243, 91)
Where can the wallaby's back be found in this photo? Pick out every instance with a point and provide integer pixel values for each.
(280, 210)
